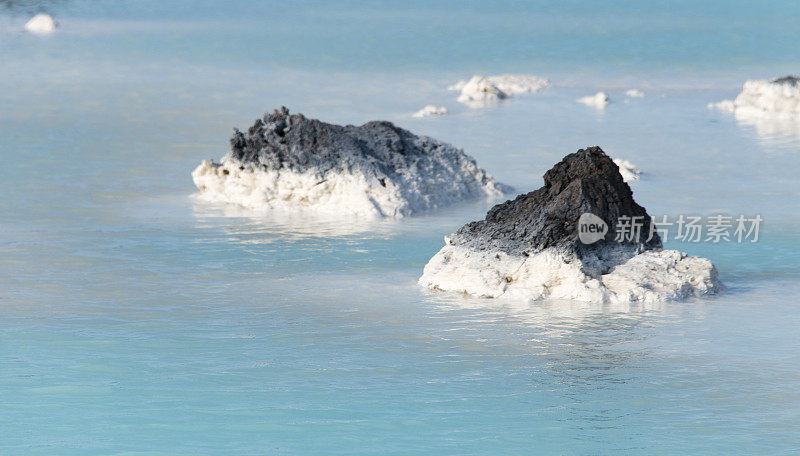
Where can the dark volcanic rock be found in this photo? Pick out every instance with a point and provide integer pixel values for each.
(281, 140)
(787, 80)
(585, 181)
(286, 160)
(530, 249)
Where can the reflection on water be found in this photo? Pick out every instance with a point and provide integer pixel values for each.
(559, 318)
(270, 231)
(778, 129)
(275, 240)
(266, 226)
(577, 344)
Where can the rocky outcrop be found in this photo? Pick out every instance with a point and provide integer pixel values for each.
(531, 247)
(288, 161)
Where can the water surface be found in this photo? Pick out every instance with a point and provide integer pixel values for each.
(137, 320)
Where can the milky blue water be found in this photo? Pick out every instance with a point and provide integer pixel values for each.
(137, 320)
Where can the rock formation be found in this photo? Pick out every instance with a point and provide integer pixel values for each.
(531, 247)
(377, 169)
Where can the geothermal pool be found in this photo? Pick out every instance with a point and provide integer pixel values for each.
(138, 319)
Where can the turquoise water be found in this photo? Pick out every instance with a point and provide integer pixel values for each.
(137, 320)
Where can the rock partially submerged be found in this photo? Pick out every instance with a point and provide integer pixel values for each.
(530, 247)
(482, 91)
(41, 24)
(599, 100)
(377, 169)
(771, 106)
(763, 97)
(431, 111)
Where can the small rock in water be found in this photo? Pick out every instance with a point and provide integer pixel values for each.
(291, 162)
(628, 170)
(599, 100)
(41, 24)
(771, 106)
(482, 91)
(765, 98)
(431, 111)
(561, 242)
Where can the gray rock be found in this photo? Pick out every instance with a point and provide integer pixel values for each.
(286, 161)
(281, 140)
(787, 80)
(586, 181)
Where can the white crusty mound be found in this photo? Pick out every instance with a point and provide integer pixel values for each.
(431, 111)
(628, 170)
(483, 91)
(774, 98)
(41, 24)
(530, 248)
(556, 274)
(599, 100)
(634, 93)
(772, 106)
(290, 162)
